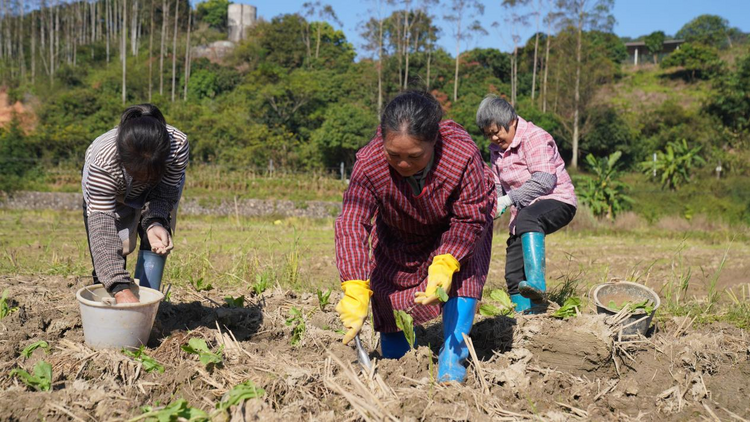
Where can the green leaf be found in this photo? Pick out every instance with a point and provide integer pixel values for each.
(26, 352)
(501, 297)
(489, 310)
(149, 364)
(232, 302)
(442, 296)
(40, 381)
(323, 298)
(570, 309)
(405, 323)
(5, 309)
(241, 392)
(178, 410)
(198, 346)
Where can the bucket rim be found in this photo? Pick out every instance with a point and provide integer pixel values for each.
(595, 294)
(82, 300)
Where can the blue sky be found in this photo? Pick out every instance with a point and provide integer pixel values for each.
(634, 17)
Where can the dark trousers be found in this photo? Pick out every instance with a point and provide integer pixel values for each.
(145, 244)
(546, 216)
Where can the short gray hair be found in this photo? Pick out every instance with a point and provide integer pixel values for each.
(495, 110)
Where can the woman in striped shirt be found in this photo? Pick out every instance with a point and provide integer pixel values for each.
(132, 183)
(532, 180)
(417, 216)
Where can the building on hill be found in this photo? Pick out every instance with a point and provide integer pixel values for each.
(637, 49)
(240, 17)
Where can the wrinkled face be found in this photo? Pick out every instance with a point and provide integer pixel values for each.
(407, 155)
(499, 136)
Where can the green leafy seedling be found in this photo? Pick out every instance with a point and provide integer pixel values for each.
(569, 309)
(323, 298)
(502, 305)
(200, 284)
(405, 322)
(297, 321)
(28, 350)
(40, 381)
(5, 309)
(198, 346)
(261, 283)
(149, 364)
(176, 411)
(241, 392)
(235, 302)
(442, 296)
(646, 306)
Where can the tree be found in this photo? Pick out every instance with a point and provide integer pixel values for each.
(461, 9)
(164, 19)
(583, 14)
(709, 30)
(731, 103)
(698, 61)
(655, 43)
(373, 35)
(347, 127)
(214, 13)
(123, 48)
(174, 45)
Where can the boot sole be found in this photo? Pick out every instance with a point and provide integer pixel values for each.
(533, 294)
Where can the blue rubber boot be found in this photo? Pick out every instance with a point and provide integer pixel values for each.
(394, 345)
(522, 304)
(458, 317)
(149, 269)
(534, 265)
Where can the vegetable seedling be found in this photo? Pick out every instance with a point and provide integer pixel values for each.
(5, 309)
(179, 410)
(235, 302)
(503, 306)
(569, 309)
(241, 392)
(200, 284)
(28, 350)
(441, 294)
(323, 298)
(405, 322)
(149, 364)
(40, 381)
(198, 346)
(296, 320)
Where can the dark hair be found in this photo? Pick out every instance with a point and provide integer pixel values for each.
(414, 113)
(143, 142)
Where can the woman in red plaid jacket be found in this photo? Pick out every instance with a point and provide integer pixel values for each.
(417, 217)
(533, 182)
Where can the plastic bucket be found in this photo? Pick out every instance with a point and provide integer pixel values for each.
(622, 292)
(107, 325)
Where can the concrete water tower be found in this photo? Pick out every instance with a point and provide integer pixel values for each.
(240, 18)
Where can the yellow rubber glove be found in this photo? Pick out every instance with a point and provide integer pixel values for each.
(352, 308)
(440, 274)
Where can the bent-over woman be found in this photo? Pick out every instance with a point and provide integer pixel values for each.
(416, 216)
(533, 182)
(132, 183)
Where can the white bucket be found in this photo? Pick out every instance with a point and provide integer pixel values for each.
(107, 325)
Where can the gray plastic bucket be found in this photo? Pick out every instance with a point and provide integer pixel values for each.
(639, 322)
(107, 325)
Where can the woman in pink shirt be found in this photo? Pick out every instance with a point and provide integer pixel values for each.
(532, 181)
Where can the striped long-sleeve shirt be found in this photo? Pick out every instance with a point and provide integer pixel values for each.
(106, 186)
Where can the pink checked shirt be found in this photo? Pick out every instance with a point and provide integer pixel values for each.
(532, 150)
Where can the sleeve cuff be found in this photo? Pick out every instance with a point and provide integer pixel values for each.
(118, 287)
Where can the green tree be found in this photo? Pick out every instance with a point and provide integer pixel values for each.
(655, 43)
(214, 13)
(16, 158)
(675, 164)
(347, 127)
(608, 131)
(709, 30)
(604, 193)
(731, 103)
(697, 61)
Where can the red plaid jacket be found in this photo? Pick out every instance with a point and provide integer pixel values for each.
(453, 214)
